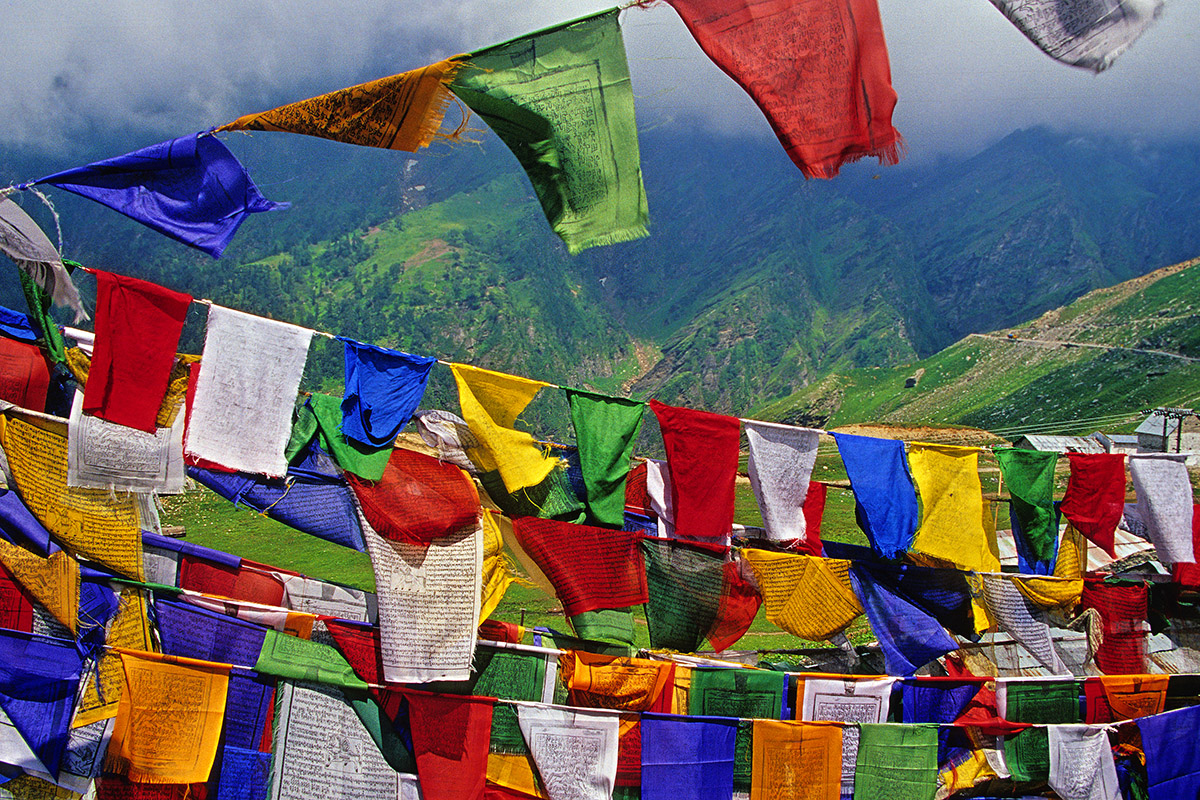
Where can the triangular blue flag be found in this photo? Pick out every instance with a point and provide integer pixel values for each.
(39, 677)
(191, 189)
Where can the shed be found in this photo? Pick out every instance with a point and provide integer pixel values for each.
(1058, 444)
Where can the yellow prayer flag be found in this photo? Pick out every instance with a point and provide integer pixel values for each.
(963, 772)
(1072, 554)
(400, 112)
(52, 581)
(628, 684)
(952, 508)
(808, 596)
(1049, 592)
(497, 572)
(683, 689)
(1135, 696)
(169, 722)
(979, 612)
(491, 403)
(514, 772)
(89, 522)
(796, 761)
(130, 630)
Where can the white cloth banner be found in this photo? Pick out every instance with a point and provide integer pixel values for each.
(1081, 763)
(1083, 33)
(780, 466)
(832, 700)
(249, 376)
(575, 752)
(26, 244)
(1164, 504)
(428, 600)
(658, 486)
(105, 455)
(1015, 615)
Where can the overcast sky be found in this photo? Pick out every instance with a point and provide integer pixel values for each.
(75, 70)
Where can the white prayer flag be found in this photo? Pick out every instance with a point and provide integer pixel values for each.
(780, 466)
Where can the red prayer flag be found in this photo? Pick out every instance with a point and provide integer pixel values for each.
(24, 376)
(637, 496)
(16, 604)
(814, 508)
(818, 70)
(138, 324)
(702, 459)
(116, 787)
(450, 736)
(1095, 496)
(496, 631)
(739, 605)
(1123, 609)
(236, 583)
(629, 748)
(1185, 574)
(982, 713)
(418, 498)
(359, 644)
(591, 568)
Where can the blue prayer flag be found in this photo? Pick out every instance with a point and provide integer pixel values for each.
(687, 758)
(940, 701)
(1172, 757)
(191, 189)
(17, 325)
(909, 637)
(20, 527)
(39, 677)
(886, 501)
(383, 389)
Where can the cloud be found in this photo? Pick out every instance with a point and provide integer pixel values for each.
(80, 70)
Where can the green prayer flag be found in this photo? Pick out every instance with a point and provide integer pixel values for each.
(1042, 702)
(1027, 755)
(322, 416)
(1029, 475)
(561, 100)
(610, 625)
(300, 659)
(743, 756)
(383, 731)
(741, 693)
(553, 498)
(684, 588)
(899, 762)
(39, 314)
(606, 429)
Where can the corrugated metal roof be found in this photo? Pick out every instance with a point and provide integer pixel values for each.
(1154, 426)
(1063, 444)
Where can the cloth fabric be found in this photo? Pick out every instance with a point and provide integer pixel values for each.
(702, 457)
(1049, 592)
(237, 581)
(383, 389)
(491, 403)
(1095, 496)
(107, 455)
(1081, 763)
(450, 743)
(39, 304)
(241, 416)
(245, 774)
(575, 751)
(684, 593)
(562, 101)
(53, 581)
(18, 326)
(590, 568)
(940, 702)
(846, 700)
(606, 429)
(16, 604)
(661, 495)
(896, 761)
(191, 189)
(24, 242)
(24, 376)
(498, 574)
(944, 594)
(1015, 614)
(320, 419)
(1039, 702)
(740, 602)
(1164, 504)
(1083, 34)
(1123, 611)
(39, 677)
(1029, 476)
(814, 508)
(86, 521)
(1172, 758)
(909, 636)
(605, 630)
(780, 464)
(947, 478)
(740, 693)
(886, 503)
(626, 684)
(1112, 698)
(170, 717)
(138, 325)
(194, 632)
(687, 758)
(287, 656)
(418, 499)
(400, 112)
(819, 72)
(19, 526)
(795, 761)
(807, 596)
(448, 435)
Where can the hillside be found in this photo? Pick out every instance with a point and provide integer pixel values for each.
(1094, 363)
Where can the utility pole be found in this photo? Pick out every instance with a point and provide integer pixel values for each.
(1167, 414)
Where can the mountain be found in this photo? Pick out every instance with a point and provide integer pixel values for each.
(754, 285)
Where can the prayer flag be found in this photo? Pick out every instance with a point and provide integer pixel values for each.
(561, 100)
(886, 503)
(575, 751)
(627, 684)
(138, 325)
(1164, 502)
(684, 593)
(498, 575)
(450, 743)
(1083, 33)
(24, 242)
(796, 761)
(1123, 610)
(1112, 698)
(418, 499)
(591, 568)
(24, 377)
(39, 677)
(940, 701)
(491, 403)
(16, 325)
(606, 429)
(814, 508)
(909, 636)
(1040, 702)
(1029, 475)
(170, 717)
(807, 596)
(383, 389)
(947, 478)
(818, 71)
(1172, 757)
(687, 758)
(604, 630)
(740, 693)
(53, 581)
(16, 603)
(1081, 763)
(239, 580)
(1095, 496)
(1016, 617)
(241, 416)
(702, 457)
(291, 657)
(191, 189)
(780, 465)
(321, 417)
(400, 112)
(896, 761)
(740, 602)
